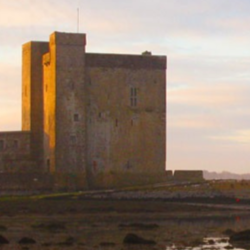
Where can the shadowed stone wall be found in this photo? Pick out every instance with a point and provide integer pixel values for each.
(188, 175)
(15, 155)
(126, 119)
(25, 182)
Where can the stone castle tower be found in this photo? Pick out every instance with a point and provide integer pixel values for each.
(100, 117)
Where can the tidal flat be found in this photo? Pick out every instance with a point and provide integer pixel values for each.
(77, 222)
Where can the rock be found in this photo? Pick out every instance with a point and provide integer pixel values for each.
(223, 240)
(3, 228)
(140, 226)
(196, 242)
(240, 239)
(68, 242)
(228, 232)
(50, 226)
(211, 242)
(3, 240)
(135, 239)
(107, 244)
(229, 247)
(26, 240)
(241, 236)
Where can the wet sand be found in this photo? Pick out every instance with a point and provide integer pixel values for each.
(80, 223)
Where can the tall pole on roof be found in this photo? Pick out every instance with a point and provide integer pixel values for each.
(77, 20)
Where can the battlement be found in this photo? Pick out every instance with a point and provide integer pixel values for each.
(126, 61)
(74, 39)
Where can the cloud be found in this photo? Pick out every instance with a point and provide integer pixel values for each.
(217, 96)
(193, 121)
(10, 82)
(10, 117)
(240, 136)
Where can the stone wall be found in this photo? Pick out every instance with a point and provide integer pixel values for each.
(188, 175)
(126, 118)
(32, 97)
(25, 183)
(15, 153)
(105, 180)
(67, 74)
(169, 174)
(104, 113)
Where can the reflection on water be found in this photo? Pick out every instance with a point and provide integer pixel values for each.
(209, 244)
(210, 231)
(196, 233)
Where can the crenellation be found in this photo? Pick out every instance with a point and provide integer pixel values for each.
(125, 61)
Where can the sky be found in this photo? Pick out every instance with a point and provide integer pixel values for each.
(207, 43)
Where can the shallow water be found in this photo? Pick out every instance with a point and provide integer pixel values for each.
(211, 243)
(107, 233)
(211, 230)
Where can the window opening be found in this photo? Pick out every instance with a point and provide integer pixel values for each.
(15, 144)
(1, 145)
(76, 117)
(73, 139)
(48, 163)
(133, 97)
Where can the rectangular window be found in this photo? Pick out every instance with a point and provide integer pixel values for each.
(15, 144)
(132, 92)
(1, 145)
(73, 139)
(76, 118)
(133, 97)
(48, 163)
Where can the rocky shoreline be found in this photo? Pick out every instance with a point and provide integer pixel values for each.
(165, 215)
(215, 192)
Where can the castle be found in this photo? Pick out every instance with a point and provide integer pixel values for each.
(96, 118)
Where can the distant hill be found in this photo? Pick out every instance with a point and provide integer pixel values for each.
(224, 175)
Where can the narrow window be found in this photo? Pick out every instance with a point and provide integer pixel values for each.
(15, 144)
(1, 145)
(76, 117)
(116, 122)
(73, 139)
(48, 163)
(133, 97)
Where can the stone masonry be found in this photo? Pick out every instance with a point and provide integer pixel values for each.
(94, 119)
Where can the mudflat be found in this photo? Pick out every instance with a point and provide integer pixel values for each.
(79, 222)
